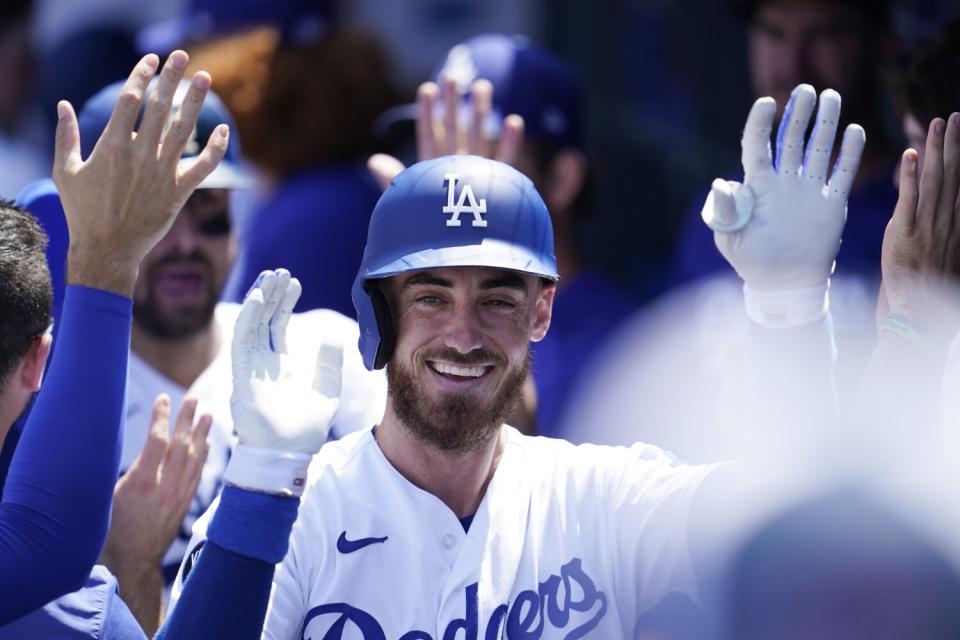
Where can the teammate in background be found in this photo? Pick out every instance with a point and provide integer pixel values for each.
(445, 519)
(178, 341)
(841, 45)
(307, 140)
(501, 75)
(118, 203)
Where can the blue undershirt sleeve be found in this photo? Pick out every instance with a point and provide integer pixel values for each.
(56, 501)
(226, 593)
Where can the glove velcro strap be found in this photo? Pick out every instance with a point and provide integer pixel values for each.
(786, 308)
(280, 473)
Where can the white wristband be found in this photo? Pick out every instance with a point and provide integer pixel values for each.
(281, 473)
(786, 308)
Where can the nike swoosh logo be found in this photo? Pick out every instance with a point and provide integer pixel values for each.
(349, 546)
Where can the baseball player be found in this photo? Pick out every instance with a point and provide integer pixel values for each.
(118, 203)
(180, 329)
(444, 519)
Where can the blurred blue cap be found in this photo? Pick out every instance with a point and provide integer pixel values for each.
(299, 21)
(527, 80)
(40, 198)
(229, 173)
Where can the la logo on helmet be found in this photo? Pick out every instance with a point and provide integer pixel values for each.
(467, 203)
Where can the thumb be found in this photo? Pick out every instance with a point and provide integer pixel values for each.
(66, 159)
(728, 206)
(384, 169)
(327, 379)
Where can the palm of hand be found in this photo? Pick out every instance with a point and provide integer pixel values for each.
(781, 229)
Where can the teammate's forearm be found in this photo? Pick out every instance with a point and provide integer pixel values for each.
(248, 536)
(56, 503)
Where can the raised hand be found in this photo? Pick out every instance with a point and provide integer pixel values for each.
(122, 199)
(780, 229)
(273, 408)
(450, 135)
(921, 246)
(149, 504)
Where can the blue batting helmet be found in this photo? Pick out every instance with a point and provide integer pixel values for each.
(454, 211)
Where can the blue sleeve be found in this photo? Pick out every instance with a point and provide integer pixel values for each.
(56, 502)
(226, 593)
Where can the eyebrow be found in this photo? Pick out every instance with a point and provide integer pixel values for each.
(426, 279)
(508, 281)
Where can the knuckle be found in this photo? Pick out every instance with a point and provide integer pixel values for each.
(128, 98)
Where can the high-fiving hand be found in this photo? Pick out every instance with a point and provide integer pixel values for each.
(272, 408)
(122, 199)
(780, 229)
(450, 134)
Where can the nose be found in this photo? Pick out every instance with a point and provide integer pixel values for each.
(181, 236)
(462, 330)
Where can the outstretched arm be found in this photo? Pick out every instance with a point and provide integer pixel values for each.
(118, 203)
(226, 579)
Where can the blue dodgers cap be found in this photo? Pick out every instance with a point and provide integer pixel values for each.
(229, 173)
(527, 80)
(453, 211)
(40, 198)
(299, 21)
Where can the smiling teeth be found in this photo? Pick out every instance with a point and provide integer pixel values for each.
(463, 372)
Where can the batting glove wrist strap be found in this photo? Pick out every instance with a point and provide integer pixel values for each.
(786, 308)
(280, 473)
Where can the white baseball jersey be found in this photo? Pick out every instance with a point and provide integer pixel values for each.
(568, 542)
(361, 406)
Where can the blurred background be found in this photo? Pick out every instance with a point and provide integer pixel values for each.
(666, 90)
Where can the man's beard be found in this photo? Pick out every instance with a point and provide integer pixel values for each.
(160, 322)
(454, 422)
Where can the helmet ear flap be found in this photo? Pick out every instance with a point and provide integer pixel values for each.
(388, 336)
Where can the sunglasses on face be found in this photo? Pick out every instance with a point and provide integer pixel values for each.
(215, 226)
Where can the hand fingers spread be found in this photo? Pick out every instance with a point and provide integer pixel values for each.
(328, 375)
(451, 112)
(755, 143)
(181, 130)
(160, 101)
(199, 448)
(207, 160)
(281, 318)
(127, 107)
(384, 169)
(66, 158)
(511, 138)
(906, 209)
(481, 99)
(931, 178)
(426, 136)
(820, 146)
(793, 127)
(848, 161)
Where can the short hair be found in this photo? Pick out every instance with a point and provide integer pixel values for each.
(925, 81)
(26, 295)
(300, 105)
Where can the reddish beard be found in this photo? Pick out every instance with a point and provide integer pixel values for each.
(455, 422)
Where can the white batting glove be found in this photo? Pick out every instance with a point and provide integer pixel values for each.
(280, 419)
(781, 228)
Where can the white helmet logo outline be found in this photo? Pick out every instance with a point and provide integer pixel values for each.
(467, 203)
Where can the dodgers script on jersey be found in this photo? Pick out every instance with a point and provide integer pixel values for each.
(361, 405)
(568, 542)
